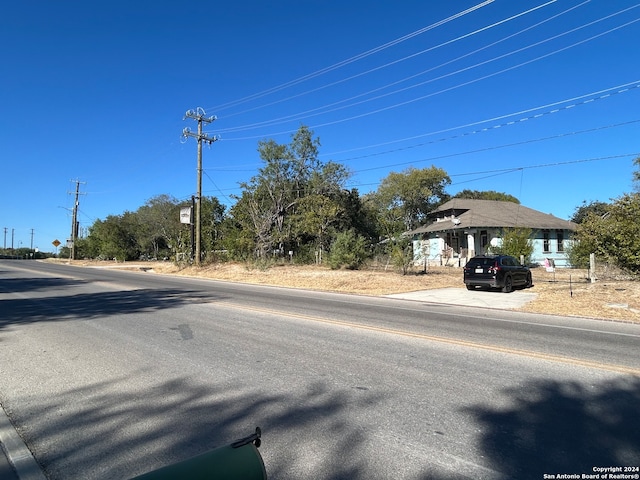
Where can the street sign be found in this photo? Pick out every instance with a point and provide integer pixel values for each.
(56, 243)
(185, 215)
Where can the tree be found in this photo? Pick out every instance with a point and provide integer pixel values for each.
(636, 175)
(516, 242)
(212, 218)
(359, 215)
(274, 206)
(115, 237)
(153, 231)
(315, 219)
(614, 235)
(404, 199)
(594, 207)
(486, 195)
(160, 229)
(348, 250)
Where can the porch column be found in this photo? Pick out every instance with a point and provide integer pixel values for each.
(471, 245)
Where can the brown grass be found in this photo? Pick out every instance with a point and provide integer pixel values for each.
(565, 292)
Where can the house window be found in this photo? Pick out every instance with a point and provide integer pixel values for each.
(560, 237)
(484, 239)
(545, 241)
(453, 241)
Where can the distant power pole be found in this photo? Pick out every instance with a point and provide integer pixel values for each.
(74, 220)
(199, 116)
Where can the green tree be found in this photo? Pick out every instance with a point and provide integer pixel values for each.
(404, 199)
(240, 237)
(115, 237)
(614, 235)
(486, 195)
(595, 207)
(212, 232)
(349, 250)
(359, 214)
(315, 220)
(160, 232)
(516, 242)
(82, 248)
(636, 175)
(271, 206)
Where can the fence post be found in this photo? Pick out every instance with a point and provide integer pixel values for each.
(592, 267)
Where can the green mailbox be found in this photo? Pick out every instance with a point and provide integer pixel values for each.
(239, 460)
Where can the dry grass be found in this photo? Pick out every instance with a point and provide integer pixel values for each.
(565, 292)
(569, 293)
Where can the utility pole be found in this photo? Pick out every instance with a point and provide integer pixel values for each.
(74, 220)
(193, 224)
(199, 116)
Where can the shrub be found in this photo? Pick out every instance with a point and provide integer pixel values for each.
(349, 250)
(515, 242)
(402, 255)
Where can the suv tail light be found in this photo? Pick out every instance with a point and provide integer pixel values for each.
(495, 268)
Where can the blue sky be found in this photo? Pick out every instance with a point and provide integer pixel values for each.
(535, 98)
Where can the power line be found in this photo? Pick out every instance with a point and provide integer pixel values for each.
(350, 60)
(448, 89)
(493, 127)
(380, 67)
(504, 171)
(544, 165)
(497, 147)
(301, 116)
(588, 98)
(217, 188)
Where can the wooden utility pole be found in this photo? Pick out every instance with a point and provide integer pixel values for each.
(74, 221)
(199, 116)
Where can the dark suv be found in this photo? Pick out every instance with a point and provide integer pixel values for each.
(496, 271)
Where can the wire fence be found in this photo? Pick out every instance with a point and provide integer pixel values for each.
(604, 270)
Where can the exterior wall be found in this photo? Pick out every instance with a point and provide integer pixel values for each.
(433, 248)
(549, 247)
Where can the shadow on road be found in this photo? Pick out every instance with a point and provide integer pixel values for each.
(123, 427)
(36, 284)
(553, 427)
(111, 436)
(90, 305)
(548, 427)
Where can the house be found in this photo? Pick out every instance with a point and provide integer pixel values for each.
(462, 228)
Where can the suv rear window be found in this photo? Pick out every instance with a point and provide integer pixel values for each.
(481, 261)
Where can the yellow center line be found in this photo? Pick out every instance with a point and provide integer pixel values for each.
(449, 341)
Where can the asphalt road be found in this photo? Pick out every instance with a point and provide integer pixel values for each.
(110, 374)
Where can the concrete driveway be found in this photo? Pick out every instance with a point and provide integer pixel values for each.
(470, 298)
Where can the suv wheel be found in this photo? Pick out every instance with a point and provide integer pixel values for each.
(508, 284)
